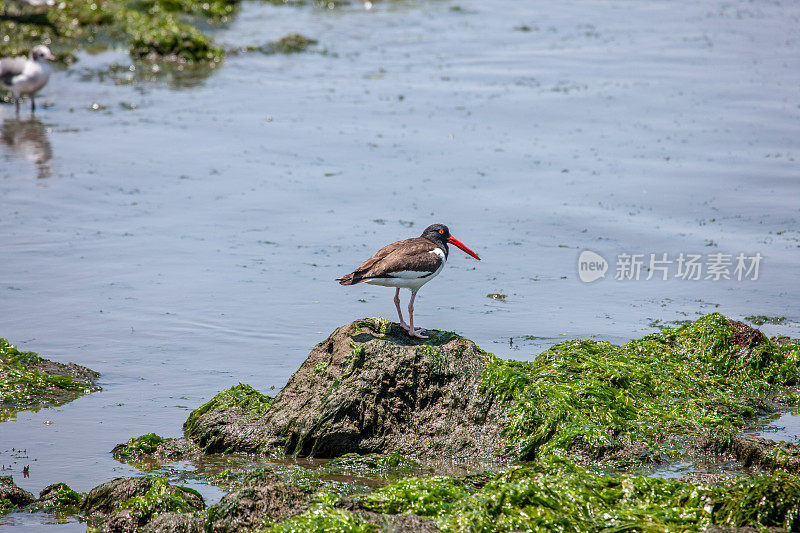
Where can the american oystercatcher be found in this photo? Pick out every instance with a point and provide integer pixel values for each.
(26, 76)
(408, 264)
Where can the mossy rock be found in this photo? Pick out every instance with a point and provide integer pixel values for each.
(30, 382)
(368, 388)
(58, 499)
(263, 500)
(11, 496)
(131, 504)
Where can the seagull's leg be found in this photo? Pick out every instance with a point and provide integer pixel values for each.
(16, 101)
(33, 104)
(399, 312)
(411, 331)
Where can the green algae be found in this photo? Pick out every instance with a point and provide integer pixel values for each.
(151, 28)
(760, 320)
(28, 381)
(324, 518)
(65, 496)
(240, 396)
(638, 403)
(138, 446)
(163, 497)
(770, 501)
(6, 506)
(556, 495)
(433, 496)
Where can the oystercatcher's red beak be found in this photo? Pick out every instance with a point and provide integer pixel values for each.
(453, 240)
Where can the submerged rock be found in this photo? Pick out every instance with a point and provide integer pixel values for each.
(368, 388)
(28, 381)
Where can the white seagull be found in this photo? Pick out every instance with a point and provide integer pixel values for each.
(26, 76)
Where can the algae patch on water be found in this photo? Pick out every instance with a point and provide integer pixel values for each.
(28, 381)
(638, 403)
(151, 28)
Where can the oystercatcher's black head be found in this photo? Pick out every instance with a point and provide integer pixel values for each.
(439, 234)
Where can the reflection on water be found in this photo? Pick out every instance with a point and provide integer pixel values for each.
(28, 139)
(177, 76)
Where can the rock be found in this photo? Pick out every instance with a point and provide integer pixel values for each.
(755, 451)
(10, 492)
(57, 498)
(106, 498)
(266, 498)
(174, 523)
(126, 505)
(155, 449)
(368, 388)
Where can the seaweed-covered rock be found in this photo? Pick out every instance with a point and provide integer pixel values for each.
(11, 496)
(128, 504)
(172, 522)
(109, 496)
(755, 451)
(264, 500)
(156, 449)
(59, 499)
(368, 388)
(28, 381)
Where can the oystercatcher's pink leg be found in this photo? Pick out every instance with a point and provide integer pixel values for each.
(399, 312)
(411, 331)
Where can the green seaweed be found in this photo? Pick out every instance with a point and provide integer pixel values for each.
(151, 28)
(239, 396)
(6, 506)
(431, 496)
(556, 495)
(760, 320)
(292, 43)
(22, 386)
(594, 399)
(67, 497)
(163, 497)
(324, 518)
(769, 501)
(136, 446)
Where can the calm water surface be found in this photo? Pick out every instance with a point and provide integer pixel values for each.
(183, 236)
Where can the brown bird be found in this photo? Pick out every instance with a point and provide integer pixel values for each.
(408, 264)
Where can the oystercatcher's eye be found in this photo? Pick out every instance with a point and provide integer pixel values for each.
(441, 232)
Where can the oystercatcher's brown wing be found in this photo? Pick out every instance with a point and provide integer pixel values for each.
(414, 256)
(406, 255)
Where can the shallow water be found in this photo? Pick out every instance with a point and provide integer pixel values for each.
(184, 235)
